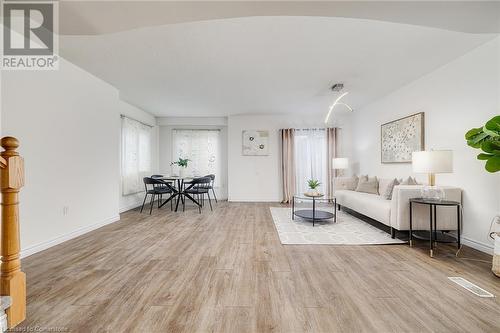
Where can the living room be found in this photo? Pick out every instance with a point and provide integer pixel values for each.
(253, 167)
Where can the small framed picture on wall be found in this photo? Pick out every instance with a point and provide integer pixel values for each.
(255, 143)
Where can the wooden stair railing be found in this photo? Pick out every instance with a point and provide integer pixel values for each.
(12, 280)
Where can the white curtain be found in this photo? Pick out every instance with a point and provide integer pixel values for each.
(201, 147)
(310, 158)
(136, 155)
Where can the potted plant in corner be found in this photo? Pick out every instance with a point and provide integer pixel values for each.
(487, 139)
(182, 163)
(313, 186)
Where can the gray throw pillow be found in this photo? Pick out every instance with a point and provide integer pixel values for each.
(369, 185)
(409, 181)
(389, 189)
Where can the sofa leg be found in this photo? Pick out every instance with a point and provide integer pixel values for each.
(393, 233)
(338, 207)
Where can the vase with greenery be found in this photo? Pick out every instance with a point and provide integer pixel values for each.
(182, 163)
(313, 186)
(487, 139)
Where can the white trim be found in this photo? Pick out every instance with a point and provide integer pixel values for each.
(58, 240)
(250, 200)
(486, 248)
(131, 206)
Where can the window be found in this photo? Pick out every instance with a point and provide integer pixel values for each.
(310, 158)
(136, 155)
(201, 147)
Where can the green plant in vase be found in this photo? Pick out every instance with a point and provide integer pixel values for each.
(487, 138)
(182, 163)
(313, 186)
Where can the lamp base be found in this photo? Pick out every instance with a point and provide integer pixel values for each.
(432, 193)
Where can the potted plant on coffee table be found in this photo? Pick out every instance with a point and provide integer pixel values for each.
(313, 186)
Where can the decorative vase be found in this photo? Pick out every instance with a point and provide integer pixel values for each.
(182, 172)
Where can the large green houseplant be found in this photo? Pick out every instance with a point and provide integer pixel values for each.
(487, 138)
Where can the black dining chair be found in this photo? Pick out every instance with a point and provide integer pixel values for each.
(155, 187)
(211, 186)
(199, 187)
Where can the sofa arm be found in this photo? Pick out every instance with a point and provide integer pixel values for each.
(400, 209)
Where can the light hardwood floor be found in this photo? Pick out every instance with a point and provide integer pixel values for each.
(226, 271)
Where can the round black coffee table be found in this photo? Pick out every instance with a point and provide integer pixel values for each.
(315, 214)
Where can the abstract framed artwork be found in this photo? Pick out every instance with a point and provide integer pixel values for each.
(255, 143)
(401, 137)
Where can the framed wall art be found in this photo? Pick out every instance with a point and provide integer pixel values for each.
(401, 137)
(255, 143)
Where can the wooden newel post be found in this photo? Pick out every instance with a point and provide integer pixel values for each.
(12, 280)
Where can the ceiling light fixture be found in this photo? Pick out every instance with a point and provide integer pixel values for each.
(337, 102)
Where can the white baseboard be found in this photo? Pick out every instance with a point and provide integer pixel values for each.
(58, 240)
(131, 206)
(480, 246)
(246, 200)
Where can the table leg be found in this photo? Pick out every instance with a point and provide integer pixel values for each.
(458, 229)
(335, 210)
(314, 209)
(435, 226)
(411, 221)
(293, 207)
(431, 252)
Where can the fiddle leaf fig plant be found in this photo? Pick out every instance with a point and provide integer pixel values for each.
(313, 184)
(487, 138)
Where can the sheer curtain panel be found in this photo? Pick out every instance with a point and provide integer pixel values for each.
(310, 158)
(201, 147)
(136, 155)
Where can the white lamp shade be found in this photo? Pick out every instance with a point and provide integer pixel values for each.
(434, 161)
(340, 163)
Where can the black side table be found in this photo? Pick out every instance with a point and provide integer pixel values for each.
(433, 220)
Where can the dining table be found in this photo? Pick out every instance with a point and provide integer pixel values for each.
(178, 190)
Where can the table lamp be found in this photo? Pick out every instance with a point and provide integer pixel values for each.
(340, 163)
(432, 162)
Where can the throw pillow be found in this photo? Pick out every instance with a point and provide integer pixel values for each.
(382, 185)
(349, 184)
(409, 181)
(389, 189)
(368, 185)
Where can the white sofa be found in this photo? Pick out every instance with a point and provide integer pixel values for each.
(395, 212)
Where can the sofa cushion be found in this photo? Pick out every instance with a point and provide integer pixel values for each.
(371, 205)
(369, 185)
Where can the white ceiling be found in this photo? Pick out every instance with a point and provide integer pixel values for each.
(263, 64)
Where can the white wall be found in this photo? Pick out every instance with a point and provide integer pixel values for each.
(68, 124)
(167, 124)
(258, 178)
(460, 95)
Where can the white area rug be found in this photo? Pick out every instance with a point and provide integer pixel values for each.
(348, 230)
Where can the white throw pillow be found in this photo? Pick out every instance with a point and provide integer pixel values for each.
(369, 185)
